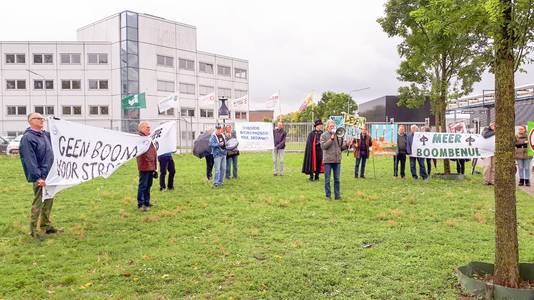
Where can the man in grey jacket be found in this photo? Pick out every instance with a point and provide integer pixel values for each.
(332, 146)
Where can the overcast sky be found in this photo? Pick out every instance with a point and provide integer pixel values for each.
(292, 46)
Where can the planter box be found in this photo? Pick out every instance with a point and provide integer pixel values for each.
(479, 288)
(453, 176)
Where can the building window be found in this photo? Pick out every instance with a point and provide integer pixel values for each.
(166, 61)
(187, 112)
(240, 93)
(206, 113)
(73, 110)
(71, 84)
(15, 84)
(97, 58)
(70, 58)
(18, 110)
(96, 110)
(187, 88)
(44, 109)
(240, 73)
(205, 89)
(241, 115)
(186, 64)
(224, 71)
(43, 58)
(15, 58)
(98, 84)
(205, 68)
(39, 84)
(168, 112)
(225, 92)
(165, 86)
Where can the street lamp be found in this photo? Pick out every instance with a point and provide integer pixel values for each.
(224, 112)
(354, 91)
(44, 88)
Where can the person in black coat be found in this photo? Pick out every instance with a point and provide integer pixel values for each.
(313, 155)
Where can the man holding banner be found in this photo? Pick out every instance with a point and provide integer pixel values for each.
(147, 165)
(413, 157)
(37, 159)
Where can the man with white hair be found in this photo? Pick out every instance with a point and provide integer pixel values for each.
(332, 147)
(413, 159)
(147, 164)
(37, 158)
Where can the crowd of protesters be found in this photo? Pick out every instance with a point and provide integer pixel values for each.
(323, 153)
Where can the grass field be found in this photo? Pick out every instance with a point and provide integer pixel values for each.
(258, 237)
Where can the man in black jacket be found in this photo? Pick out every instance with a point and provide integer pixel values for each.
(279, 145)
(37, 158)
(400, 156)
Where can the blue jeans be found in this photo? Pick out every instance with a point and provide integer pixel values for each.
(335, 167)
(523, 166)
(413, 170)
(231, 161)
(362, 172)
(219, 164)
(143, 190)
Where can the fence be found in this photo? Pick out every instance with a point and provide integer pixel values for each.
(297, 132)
(188, 129)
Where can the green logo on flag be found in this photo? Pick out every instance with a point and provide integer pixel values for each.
(530, 133)
(134, 101)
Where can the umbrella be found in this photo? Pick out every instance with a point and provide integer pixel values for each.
(201, 146)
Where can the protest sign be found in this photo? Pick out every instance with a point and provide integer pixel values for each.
(254, 136)
(384, 139)
(164, 138)
(82, 153)
(452, 145)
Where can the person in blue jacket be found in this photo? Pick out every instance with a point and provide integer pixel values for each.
(217, 145)
(37, 158)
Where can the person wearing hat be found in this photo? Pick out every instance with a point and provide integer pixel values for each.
(313, 154)
(217, 145)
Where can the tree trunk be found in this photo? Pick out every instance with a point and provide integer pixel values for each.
(442, 124)
(506, 243)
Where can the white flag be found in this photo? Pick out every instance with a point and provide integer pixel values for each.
(240, 101)
(82, 153)
(167, 103)
(209, 98)
(164, 138)
(272, 102)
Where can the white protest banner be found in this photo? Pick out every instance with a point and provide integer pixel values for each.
(241, 101)
(82, 153)
(208, 99)
(254, 136)
(452, 145)
(167, 103)
(272, 102)
(164, 138)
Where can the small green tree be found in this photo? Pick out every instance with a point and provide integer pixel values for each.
(332, 103)
(440, 48)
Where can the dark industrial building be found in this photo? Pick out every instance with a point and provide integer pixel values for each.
(385, 109)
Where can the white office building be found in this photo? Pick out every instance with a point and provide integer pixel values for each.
(123, 54)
